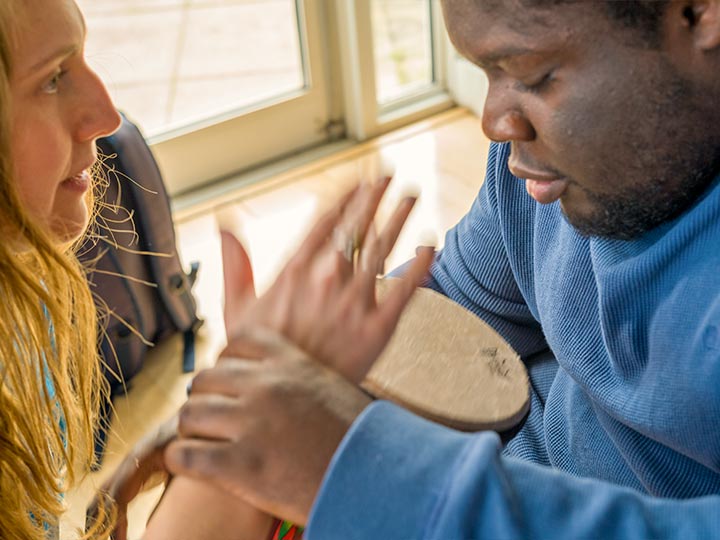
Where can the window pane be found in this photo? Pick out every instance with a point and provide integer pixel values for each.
(402, 36)
(170, 63)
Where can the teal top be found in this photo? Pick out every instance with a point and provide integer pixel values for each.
(53, 529)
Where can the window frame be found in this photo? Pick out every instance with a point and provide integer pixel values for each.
(364, 116)
(339, 101)
(203, 152)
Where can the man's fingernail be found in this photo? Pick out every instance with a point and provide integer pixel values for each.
(427, 238)
(387, 168)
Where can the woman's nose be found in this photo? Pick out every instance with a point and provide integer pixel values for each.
(98, 117)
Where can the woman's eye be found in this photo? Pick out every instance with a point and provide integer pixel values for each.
(51, 86)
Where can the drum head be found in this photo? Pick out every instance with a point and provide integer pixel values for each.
(447, 365)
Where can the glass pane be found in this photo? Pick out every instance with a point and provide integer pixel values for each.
(170, 63)
(402, 36)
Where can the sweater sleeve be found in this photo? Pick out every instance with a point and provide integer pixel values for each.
(398, 477)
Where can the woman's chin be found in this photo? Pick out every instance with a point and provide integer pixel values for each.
(66, 231)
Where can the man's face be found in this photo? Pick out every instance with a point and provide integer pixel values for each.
(606, 126)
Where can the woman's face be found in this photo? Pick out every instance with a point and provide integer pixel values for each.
(59, 108)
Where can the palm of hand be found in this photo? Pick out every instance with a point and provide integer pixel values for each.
(324, 300)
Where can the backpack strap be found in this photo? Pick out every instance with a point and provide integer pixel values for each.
(189, 335)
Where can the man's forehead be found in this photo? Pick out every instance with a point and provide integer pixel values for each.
(490, 29)
(520, 11)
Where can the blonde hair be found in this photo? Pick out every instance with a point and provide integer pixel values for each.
(50, 376)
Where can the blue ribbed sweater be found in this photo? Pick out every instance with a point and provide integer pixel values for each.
(622, 343)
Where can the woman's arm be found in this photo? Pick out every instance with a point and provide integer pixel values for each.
(192, 510)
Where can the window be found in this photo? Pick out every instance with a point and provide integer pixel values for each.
(402, 39)
(175, 63)
(220, 86)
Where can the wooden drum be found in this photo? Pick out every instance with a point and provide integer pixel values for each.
(447, 365)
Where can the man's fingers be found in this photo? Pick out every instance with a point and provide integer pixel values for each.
(368, 253)
(378, 248)
(361, 210)
(391, 308)
(238, 360)
(239, 347)
(321, 231)
(225, 378)
(383, 322)
(210, 416)
(390, 233)
(237, 276)
(220, 463)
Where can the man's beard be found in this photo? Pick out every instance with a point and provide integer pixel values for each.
(639, 209)
(670, 156)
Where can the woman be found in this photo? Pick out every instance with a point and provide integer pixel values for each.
(52, 109)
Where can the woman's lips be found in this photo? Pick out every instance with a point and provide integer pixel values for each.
(545, 191)
(80, 182)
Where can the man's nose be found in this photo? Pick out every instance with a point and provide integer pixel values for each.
(503, 120)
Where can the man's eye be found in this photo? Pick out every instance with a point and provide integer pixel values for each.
(539, 85)
(51, 87)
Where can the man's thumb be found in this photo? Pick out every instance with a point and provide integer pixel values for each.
(237, 275)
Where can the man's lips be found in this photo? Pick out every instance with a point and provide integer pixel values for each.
(545, 192)
(545, 188)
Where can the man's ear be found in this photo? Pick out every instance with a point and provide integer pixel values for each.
(703, 19)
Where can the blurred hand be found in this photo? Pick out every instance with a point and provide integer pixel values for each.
(143, 468)
(265, 431)
(324, 299)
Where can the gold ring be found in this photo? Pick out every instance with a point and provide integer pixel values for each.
(348, 246)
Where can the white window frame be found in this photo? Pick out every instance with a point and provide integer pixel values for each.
(364, 117)
(202, 152)
(338, 54)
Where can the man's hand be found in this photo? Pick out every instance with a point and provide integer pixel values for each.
(143, 468)
(265, 430)
(324, 299)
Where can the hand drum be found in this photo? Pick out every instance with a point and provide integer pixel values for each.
(447, 365)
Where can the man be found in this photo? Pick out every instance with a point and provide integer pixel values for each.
(595, 238)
